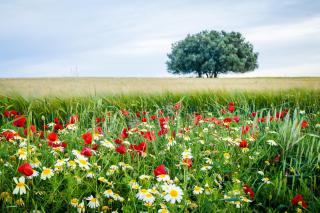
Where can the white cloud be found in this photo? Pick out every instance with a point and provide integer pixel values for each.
(285, 32)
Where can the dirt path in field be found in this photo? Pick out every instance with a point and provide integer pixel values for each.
(62, 87)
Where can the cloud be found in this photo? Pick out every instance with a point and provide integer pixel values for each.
(285, 32)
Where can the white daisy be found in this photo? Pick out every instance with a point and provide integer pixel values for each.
(163, 210)
(107, 144)
(35, 163)
(145, 177)
(72, 164)
(163, 177)
(117, 197)
(83, 162)
(173, 193)
(90, 175)
(20, 187)
(34, 174)
(272, 143)
(93, 202)
(142, 193)
(186, 154)
(148, 198)
(47, 173)
(108, 193)
(261, 173)
(266, 180)
(22, 153)
(197, 190)
(81, 208)
(61, 162)
(133, 184)
(74, 202)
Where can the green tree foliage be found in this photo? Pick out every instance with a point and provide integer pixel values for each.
(210, 53)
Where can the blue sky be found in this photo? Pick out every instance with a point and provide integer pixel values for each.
(132, 38)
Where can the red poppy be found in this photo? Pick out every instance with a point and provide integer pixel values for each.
(52, 136)
(124, 133)
(29, 130)
(118, 141)
(150, 136)
(9, 113)
(63, 144)
(223, 111)
(144, 120)
(140, 148)
(86, 151)
(99, 120)
(41, 134)
(188, 162)
(56, 120)
(227, 120)
(162, 131)
(25, 169)
(8, 135)
(121, 149)
(248, 191)
(160, 170)
(231, 107)
(95, 147)
(243, 144)
(138, 114)
(177, 106)
(161, 112)
(304, 124)
(55, 144)
(298, 200)
(197, 119)
(58, 126)
(98, 130)
(236, 119)
(73, 119)
(163, 121)
(277, 158)
(245, 129)
(253, 114)
(153, 117)
(124, 112)
(19, 120)
(87, 137)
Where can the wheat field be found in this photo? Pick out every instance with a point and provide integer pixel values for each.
(67, 87)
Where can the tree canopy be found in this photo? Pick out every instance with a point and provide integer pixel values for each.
(210, 53)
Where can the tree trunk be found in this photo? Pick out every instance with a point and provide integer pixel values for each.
(215, 75)
(207, 75)
(199, 75)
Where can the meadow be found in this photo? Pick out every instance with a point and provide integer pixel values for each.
(253, 147)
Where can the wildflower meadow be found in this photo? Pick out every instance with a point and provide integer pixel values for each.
(204, 152)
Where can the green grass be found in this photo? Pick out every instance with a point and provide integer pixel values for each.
(296, 172)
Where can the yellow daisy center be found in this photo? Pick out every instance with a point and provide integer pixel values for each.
(46, 171)
(83, 162)
(20, 184)
(149, 195)
(173, 193)
(143, 191)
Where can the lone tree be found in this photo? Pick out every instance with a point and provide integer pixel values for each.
(210, 53)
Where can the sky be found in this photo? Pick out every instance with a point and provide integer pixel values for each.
(131, 38)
